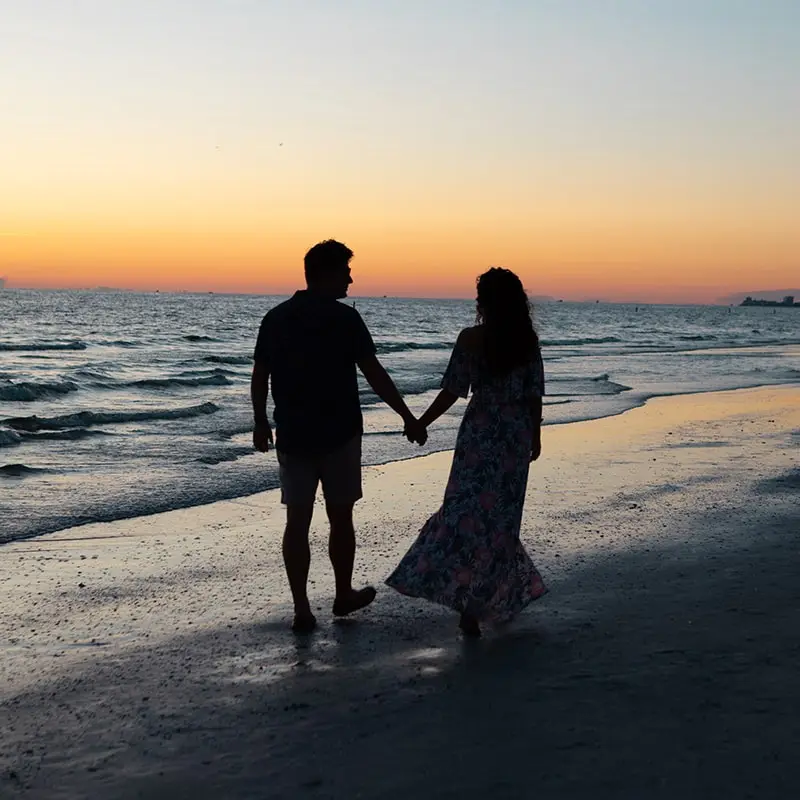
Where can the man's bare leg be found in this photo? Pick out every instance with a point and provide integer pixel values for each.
(297, 559)
(342, 551)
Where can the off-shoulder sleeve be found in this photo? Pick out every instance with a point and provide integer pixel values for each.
(457, 377)
(535, 377)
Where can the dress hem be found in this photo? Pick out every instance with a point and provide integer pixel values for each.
(453, 605)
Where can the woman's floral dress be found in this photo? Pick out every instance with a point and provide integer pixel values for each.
(468, 554)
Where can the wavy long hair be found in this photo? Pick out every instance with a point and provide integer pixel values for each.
(504, 311)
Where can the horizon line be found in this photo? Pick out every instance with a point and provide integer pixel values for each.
(535, 299)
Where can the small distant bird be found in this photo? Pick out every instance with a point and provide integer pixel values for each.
(280, 144)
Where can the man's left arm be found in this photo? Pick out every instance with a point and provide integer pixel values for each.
(382, 384)
(378, 378)
(259, 393)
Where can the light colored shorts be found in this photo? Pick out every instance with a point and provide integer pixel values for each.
(338, 471)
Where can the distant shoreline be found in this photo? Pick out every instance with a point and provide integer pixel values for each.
(536, 300)
(787, 302)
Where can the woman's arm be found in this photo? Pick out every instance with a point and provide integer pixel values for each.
(536, 437)
(456, 377)
(443, 401)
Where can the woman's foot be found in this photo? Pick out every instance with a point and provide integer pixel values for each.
(304, 622)
(356, 600)
(469, 626)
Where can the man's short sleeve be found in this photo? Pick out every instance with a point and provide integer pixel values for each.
(362, 344)
(261, 354)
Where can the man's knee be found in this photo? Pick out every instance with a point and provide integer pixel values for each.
(298, 519)
(340, 515)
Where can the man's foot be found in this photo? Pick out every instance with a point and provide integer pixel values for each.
(469, 626)
(304, 623)
(342, 606)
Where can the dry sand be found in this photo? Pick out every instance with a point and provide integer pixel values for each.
(151, 658)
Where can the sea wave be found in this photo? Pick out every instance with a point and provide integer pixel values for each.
(203, 373)
(117, 343)
(96, 374)
(86, 419)
(13, 347)
(579, 341)
(399, 347)
(70, 434)
(574, 378)
(171, 383)
(407, 387)
(229, 454)
(233, 360)
(9, 438)
(198, 337)
(563, 386)
(20, 471)
(29, 391)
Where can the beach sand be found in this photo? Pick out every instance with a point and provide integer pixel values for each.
(151, 657)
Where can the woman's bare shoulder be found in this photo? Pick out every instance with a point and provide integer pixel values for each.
(471, 338)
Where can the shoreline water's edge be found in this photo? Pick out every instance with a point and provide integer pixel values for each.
(117, 428)
(167, 508)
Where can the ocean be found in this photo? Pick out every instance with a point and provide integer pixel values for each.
(120, 404)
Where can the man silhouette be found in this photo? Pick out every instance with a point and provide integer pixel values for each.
(307, 349)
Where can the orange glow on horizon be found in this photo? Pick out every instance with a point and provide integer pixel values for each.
(438, 259)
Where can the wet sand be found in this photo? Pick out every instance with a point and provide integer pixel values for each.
(151, 657)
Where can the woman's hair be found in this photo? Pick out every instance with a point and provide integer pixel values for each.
(504, 311)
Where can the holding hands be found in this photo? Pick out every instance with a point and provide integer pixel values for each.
(415, 431)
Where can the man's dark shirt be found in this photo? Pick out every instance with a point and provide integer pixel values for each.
(310, 344)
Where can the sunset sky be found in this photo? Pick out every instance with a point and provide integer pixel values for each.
(623, 149)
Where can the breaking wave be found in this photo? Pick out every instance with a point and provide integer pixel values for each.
(233, 360)
(9, 438)
(86, 419)
(41, 346)
(578, 342)
(399, 347)
(20, 471)
(70, 434)
(27, 392)
(593, 385)
(171, 383)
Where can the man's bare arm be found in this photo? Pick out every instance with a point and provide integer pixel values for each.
(382, 384)
(259, 393)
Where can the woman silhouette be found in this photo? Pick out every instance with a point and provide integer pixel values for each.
(468, 555)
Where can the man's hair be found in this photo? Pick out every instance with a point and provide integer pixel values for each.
(325, 257)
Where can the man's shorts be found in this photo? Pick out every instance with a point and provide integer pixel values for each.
(338, 471)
